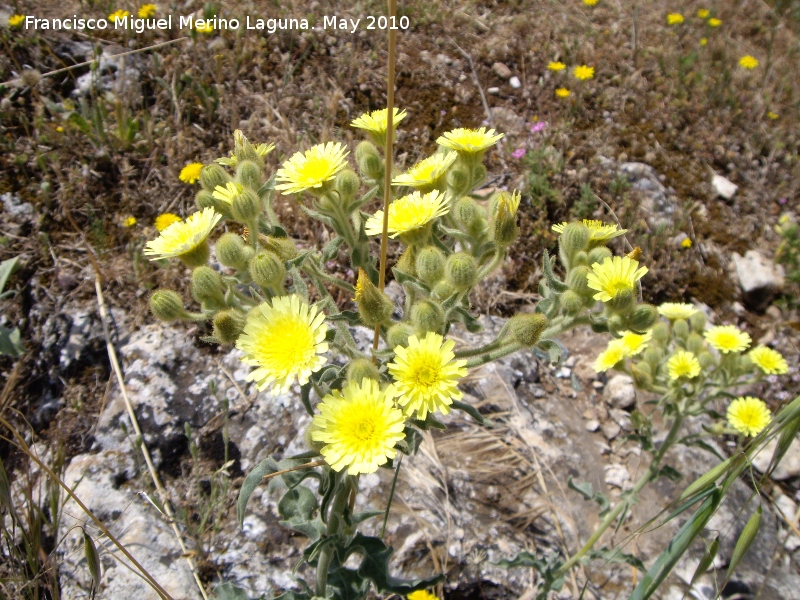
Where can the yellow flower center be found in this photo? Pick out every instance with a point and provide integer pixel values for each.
(427, 375)
(287, 343)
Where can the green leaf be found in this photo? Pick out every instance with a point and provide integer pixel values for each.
(10, 343)
(331, 249)
(552, 281)
(406, 279)
(254, 477)
(228, 591)
(299, 510)
(461, 314)
(7, 267)
(430, 422)
(706, 561)
(472, 412)
(745, 540)
(298, 260)
(553, 349)
(92, 559)
(615, 555)
(587, 491)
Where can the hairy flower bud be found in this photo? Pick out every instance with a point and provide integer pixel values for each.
(458, 180)
(204, 199)
(695, 344)
(598, 255)
(246, 206)
(574, 238)
(581, 259)
(284, 247)
(443, 290)
(578, 283)
(207, 287)
(230, 251)
(374, 306)
(526, 329)
(642, 376)
(398, 334)
(681, 329)
(197, 256)
(643, 317)
(427, 315)
(661, 333)
(623, 301)
(360, 368)
(706, 360)
(407, 261)
(166, 305)
(228, 325)
(461, 270)
(249, 174)
(213, 175)
(571, 303)
(430, 264)
(347, 184)
(653, 357)
(369, 161)
(465, 212)
(505, 230)
(698, 321)
(267, 269)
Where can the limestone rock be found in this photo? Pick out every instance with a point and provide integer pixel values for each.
(724, 187)
(620, 392)
(501, 70)
(759, 279)
(788, 468)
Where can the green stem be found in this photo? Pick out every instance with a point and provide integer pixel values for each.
(492, 265)
(335, 517)
(487, 357)
(467, 352)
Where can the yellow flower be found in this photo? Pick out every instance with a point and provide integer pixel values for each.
(634, 343)
(703, 41)
(676, 310)
(206, 27)
(311, 169)
(182, 237)
(768, 360)
(60, 129)
(191, 172)
(428, 171)
(285, 340)
(613, 276)
(748, 62)
(598, 230)
(683, 364)
(147, 10)
(359, 426)
(129, 221)
(714, 22)
(16, 20)
(375, 123)
(227, 192)
(409, 213)
(727, 338)
(164, 220)
(614, 353)
(749, 416)
(703, 13)
(590, 2)
(118, 14)
(674, 19)
(426, 375)
(583, 72)
(422, 594)
(469, 141)
(772, 115)
(686, 243)
(556, 66)
(563, 93)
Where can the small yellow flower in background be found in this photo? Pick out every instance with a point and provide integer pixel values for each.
(614, 353)
(556, 66)
(703, 13)
(118, 14)
(421, 595)
(426, 375)
(182, 237)
(583, 72)
(359, 426)
(768, 360)
(285, 340)
(409, 213)
(60, 129)
(748, 62)
(771, 115)
(375, 123)
(703, 41)
(683, 364)
(598, 230)
(616, 274)
(191, 172)
(427, 171)
(590, 2)
(207, 27)
(164, 220)
(674, 19)
(749, 416)
(227, 192)
(727, 338)
(714, 22)
(16, 20)
(563, 93)
(129, 221)
(676, 310)
(634, 343)
(147, 10)
(469, 141)
(312, 168)
(686, 243)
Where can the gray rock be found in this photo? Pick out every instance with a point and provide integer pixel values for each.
(16, 213)
(114, 73)
(501, 70)
(620, 392)
(611, 430)
(656, 202)
(618, 476)
(759, 279)
(723, 187)
(789, 466)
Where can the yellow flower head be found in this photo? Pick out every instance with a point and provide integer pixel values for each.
(703, 41)
(426, 375)
(748, 62)
(469, 141)
(227, 192)
(16, 20)
(616, 274)
(182, 237)
(359, 426)
(428, 171)
(191, 172)
(634, 343)
(409, 213)
(312, 168)
(598, 230)
(206, 27)
(421, 595)
(563, 93)
(583, 72)
(714, 22)
(556, 66)
(375, 123)
(129, 221)
(749, 416)
(771, 115)
(118, 14)
(727, 338)
(674, 19)
(285, 340)
(683, 364)
(676, 310)
(147, 10)
(686, 243)
(590, 2)
(614, 353)
(703, 13)
(768, 360)
(164, 220)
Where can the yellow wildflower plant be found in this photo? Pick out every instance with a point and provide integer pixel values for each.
(771, 115)
(556, 66)
(409, 213)
(376, 122)
(428, 171)
(16, 20)
(285, 340)
(426, 375)
(183, 237)
(147, 10)
(703, 13)
(683, 364)
(614, 354)
(118, 14)
(164, 220)
(703, 41)
(599, 231)
(674, 19)
(590, 2)
(686, 243)
(129, 221)
(768, 360)
(469, 141)
(748, 415)
(311, 169)
(748, 62)
(359, 427)
(563, 93)
(615, 275)
(676, 310)
(714, 22)
(422, 595)
(191, 172)
(727, 338)
(583, 72)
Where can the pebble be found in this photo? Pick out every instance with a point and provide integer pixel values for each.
(592, 425)
(723, 186)
(618, 476)
(515, 82)
(493, 90)
(620, 392)
(611, 430)
(501, 70)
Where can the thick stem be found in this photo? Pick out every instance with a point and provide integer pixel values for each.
(492, 355)
(335, 517)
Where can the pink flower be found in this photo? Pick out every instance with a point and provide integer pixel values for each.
(538, 126)
(518, 153)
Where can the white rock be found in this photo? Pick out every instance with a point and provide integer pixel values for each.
(618, 476)
(759, 279)
(493, 90)
(620, 392)
(724, 187)
(592, 425)
(788, 467)
(515, 82)
(787, 506)
(611, 430)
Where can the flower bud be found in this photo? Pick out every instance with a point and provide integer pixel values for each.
(443, 290)
(616, 324)
(643, 317)
(458, 180)
(623, 301)
(166, 305)
(478, 174)
(581, 259)
(681, 329)
(465, 212)
(207, 287)
(461, 270)
(526, 329)
(284, 247)
(598, 255)
(374, 306)
(574, 238)
(213, 175)
(578, 283)
(347, 184)
(243, 150)
(228, 325)
(204, 199)
(249, 174)
(246, 206)
(695, 344)
(706, 360)
(427, 315)
(698, 321)
(505, 230)
(571, 303)
(360, 368)
(653, 357)
(430, 264)
(642, 377)
(230, 251)
(369, 161)
(398, 334)
(197, 256)
(267, 269)
(661, 333)
(407, 261)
